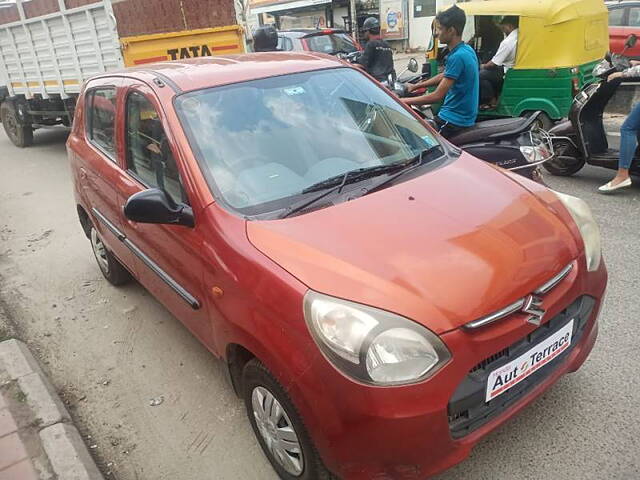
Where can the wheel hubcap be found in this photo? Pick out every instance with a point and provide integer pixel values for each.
(277, 431)
(100, 251)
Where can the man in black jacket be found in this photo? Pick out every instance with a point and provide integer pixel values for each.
(377, 59)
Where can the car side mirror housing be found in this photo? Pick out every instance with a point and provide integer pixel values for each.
(156, 206)
(413, 65)
(631, 41)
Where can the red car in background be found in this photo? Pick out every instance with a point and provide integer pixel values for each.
(327, 40)
(624, 19)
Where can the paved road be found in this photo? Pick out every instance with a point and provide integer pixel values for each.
(110, 351)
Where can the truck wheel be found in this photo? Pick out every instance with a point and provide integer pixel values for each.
(110, 267)
(566, 161)
(20, 135)
(278, 427)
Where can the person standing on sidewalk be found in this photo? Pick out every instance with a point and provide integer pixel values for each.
(628, 137)
(459, 84)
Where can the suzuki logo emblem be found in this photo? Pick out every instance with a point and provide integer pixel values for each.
(533, 306)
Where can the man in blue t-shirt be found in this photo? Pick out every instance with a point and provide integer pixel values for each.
(459, 84)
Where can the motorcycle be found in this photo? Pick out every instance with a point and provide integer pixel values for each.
(582, 138)
(516, 144)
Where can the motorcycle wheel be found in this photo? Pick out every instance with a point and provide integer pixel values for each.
(567, 160)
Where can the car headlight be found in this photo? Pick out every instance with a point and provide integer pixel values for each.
(588, 227)
(371, 345)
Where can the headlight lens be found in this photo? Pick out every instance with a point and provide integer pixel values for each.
(371, 345)
(588, 227)
(537, 153)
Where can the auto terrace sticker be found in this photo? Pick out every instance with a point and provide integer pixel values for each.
(514, 372)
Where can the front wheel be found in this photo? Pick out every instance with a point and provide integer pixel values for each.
(278, 427)
(567, 160)
(20, 135)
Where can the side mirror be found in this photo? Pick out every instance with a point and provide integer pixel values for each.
(631, 41)
(413, 65)
(155, 206)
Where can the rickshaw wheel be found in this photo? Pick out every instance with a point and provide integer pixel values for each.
(566, 161)
(543, 121)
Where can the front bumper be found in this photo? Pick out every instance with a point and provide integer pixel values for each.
(365, 432)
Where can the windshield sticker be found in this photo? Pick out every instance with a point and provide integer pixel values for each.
(294, 91)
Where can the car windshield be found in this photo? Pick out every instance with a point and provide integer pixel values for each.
(261, 143)
(331, 43)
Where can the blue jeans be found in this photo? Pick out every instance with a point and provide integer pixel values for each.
(629, 137)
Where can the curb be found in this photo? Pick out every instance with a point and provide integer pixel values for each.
(61, 441)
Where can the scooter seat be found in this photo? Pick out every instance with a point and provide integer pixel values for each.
(487, 129)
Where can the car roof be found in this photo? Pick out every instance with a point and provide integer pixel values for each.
(300, 32)
(204, 72)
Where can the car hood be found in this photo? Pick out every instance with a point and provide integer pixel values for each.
(443, 249)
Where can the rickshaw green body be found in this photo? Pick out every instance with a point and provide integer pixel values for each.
(559, 44)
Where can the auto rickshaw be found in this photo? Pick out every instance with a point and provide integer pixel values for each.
(559, 43)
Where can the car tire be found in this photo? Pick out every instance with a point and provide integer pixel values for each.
(20, 135)
(112, 270)
(260, 392)
(567, 160)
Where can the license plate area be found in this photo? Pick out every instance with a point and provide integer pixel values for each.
(507, 376)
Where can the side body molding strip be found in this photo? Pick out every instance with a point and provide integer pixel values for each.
(164, 276)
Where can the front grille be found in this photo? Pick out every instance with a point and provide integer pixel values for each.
(468, 409)
(490, 361)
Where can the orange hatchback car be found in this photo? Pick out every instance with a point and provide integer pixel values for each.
(382, 300)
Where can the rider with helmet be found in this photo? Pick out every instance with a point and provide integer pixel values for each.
(377, 58)
(265, 39)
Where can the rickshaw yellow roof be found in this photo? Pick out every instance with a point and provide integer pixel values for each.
(552, 33)
(552, 11)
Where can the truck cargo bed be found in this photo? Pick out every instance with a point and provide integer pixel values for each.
(54, 53)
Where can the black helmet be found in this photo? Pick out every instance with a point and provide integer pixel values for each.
(371, 23)
(265, 39)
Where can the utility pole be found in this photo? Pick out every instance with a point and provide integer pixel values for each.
(354, 20)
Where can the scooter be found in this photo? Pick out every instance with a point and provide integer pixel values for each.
(582, 138)
(516, 144)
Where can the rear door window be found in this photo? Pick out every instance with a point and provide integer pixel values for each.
(616, 17)
(101, 105)
(331, 43)
(149, 156)
(285, 44)
(634, 17)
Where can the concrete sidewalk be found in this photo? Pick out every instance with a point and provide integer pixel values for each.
(37, 439)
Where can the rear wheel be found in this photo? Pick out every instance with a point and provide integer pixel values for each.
(278, 427)
(543, 121)
(567, 159)
(110, 267)
(20, 135)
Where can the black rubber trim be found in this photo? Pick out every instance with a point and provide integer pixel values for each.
(164, 276)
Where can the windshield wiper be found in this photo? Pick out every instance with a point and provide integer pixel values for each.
(304, 204)
(356, 175)
(415, 163)
(339, 181)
